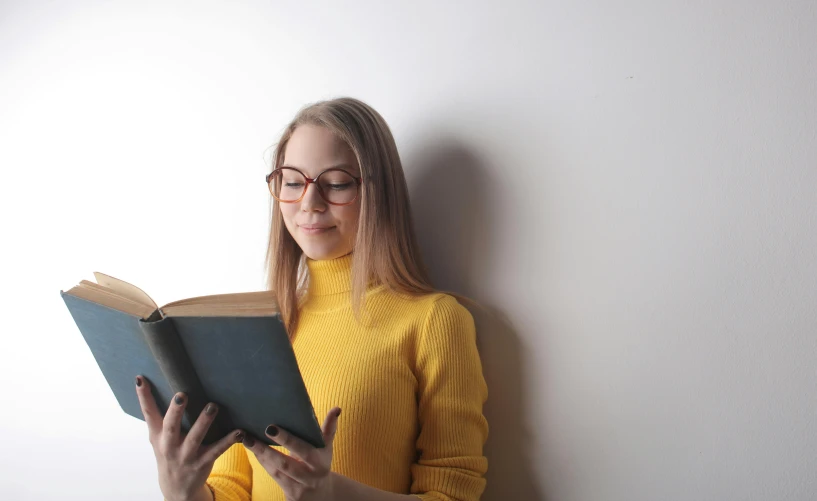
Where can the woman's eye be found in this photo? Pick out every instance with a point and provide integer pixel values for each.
(339, 187)
(293, 185)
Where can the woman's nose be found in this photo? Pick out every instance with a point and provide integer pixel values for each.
(312, 199)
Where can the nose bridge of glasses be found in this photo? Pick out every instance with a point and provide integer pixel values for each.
(305, 194)
(311, 180)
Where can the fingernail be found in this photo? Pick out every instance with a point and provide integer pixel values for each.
(272, 430)
(210, 409)
(179, 399)
(138, 381)
(239, 436)
(248, 441)
(337, 414)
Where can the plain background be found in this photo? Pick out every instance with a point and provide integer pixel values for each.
(630, 188)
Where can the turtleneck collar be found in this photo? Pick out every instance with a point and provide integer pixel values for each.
(330, 276)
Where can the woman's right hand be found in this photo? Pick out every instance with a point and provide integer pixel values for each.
(183, 463)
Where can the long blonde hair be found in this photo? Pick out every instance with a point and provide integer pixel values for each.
(386, 250)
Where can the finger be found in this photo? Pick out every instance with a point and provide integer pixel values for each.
(150, 411)
(276, 462)
(171, 426)
(330, 426)
(291, 487)
(294, 445)
(214, 450)
(195, 436)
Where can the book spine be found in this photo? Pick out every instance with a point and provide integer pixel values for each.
(168, 350)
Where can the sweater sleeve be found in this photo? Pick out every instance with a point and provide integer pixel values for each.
(451, 392)
(231, 478)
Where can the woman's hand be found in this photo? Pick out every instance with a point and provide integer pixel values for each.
(183, 463)
(305, 474)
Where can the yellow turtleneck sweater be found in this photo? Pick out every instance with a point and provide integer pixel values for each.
(410, 385)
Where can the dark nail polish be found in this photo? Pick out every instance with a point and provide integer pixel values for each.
(272, 430)
(179, 399)
(337, 414)
(210, 409)
(138, 381)
(248, 441)
(239, 436)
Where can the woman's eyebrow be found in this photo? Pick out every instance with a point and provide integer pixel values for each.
(349, 167)
(343, 166)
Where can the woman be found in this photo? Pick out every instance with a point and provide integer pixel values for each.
(369, 332)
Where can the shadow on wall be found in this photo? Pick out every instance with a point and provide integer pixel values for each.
(452, 206)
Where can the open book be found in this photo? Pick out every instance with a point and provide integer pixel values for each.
(231, 349)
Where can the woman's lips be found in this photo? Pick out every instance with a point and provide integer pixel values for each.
(315, 230)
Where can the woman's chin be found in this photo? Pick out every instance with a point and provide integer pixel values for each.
(321, 253)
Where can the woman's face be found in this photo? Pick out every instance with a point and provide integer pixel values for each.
(322, 230)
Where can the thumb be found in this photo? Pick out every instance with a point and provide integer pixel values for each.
(330, 426)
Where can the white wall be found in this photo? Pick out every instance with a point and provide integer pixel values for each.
(630, 186)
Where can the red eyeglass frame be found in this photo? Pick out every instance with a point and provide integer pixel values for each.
(309, 180)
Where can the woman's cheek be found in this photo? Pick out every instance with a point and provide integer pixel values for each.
(288, 215)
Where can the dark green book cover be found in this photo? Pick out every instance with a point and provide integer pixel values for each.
(245, 364)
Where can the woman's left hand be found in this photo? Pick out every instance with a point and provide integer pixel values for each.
(305, 474)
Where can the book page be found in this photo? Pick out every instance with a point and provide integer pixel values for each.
(106, 297)
(238, 304)
(122, 296)
(125, 289)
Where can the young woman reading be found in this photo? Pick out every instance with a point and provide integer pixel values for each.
(370, 333)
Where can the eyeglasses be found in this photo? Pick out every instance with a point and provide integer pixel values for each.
(336, 186)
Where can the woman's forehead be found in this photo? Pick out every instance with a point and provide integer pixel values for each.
(313, 149)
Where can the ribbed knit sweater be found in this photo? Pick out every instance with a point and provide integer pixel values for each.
(409, 380)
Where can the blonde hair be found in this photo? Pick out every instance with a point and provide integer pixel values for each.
(385, 250)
